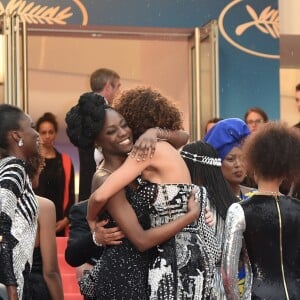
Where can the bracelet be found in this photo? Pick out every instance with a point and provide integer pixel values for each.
(95, 241)
(163, 133)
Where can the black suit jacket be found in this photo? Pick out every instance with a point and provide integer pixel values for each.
(80, 247)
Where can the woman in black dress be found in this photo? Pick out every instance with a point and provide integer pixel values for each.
(57, 177)
(268, 221)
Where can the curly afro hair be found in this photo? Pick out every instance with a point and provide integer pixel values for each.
(86, 119)
(144, 108)
(273, 151)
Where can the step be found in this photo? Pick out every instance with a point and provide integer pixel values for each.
(72, 296)
(70, 284)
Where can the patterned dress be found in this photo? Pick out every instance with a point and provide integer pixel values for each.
(18, 224)
(184, 265)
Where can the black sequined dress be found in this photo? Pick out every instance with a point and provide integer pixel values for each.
(37, 285)
(276, 270)
(123, 269)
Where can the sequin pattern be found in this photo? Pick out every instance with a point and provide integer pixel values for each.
(19, 209)
(184, 265)
(261, 234)
(123, 270)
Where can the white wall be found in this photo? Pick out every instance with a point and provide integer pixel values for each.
(289, 77)
(289, 16)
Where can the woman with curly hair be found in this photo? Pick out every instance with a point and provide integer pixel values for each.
(122, 270)
(176, 271)
(268, 221)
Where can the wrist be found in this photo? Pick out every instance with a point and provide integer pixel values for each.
(95, 241)
(162, 134)
(193, 215)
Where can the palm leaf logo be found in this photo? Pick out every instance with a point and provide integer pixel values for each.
(267, 22)
(37, 14)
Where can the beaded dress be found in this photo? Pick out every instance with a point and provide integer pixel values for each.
(271, 229)
(18, 224)
(122, 269)
(184, 265)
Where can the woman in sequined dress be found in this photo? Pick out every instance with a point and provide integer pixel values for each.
(18, 206)
(205, 168)
(268, 221)
(123, 269)
(176, 271)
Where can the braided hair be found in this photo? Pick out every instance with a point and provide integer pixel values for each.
(86, 119)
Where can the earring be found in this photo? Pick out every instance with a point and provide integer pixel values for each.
(20, 143)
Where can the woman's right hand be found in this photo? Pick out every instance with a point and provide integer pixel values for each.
(193, 206)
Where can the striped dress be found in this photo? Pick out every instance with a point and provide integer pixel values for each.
(18, 224)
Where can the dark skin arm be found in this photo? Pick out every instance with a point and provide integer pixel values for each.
(124, 215)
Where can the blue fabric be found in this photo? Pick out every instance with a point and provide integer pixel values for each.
(227, 134)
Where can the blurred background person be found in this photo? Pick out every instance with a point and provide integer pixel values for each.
(57, 177)
(210, 123)
(297, 98)
(268, 222)
(45, 279)
(18, 205)
(255, 117)
(106, 83)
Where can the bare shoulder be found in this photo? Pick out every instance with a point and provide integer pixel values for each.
(45, 203)
(98, 179)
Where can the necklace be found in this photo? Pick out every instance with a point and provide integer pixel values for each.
(272, 193)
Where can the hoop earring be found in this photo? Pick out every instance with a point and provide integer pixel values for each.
(20, 143)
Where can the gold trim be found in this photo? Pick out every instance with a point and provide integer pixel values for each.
(85, 16)
(280, 245)
(33, 13)
(235, 44)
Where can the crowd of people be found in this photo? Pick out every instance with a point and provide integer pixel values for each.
(159, 217)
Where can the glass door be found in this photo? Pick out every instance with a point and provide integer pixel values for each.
(204, 79)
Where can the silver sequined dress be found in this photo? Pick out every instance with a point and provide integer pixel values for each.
(183, 266)
(18, 224)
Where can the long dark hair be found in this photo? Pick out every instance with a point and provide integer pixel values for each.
(204, 165)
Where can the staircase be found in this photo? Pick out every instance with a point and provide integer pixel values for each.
(68, 273)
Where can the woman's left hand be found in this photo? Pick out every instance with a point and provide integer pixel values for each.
(145, 145)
